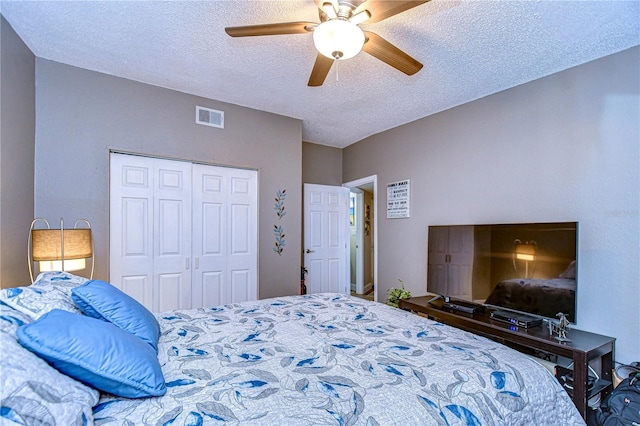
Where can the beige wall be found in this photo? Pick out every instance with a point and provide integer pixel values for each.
(17, 130)
(82, 115)
(562, 148)
(321, 164)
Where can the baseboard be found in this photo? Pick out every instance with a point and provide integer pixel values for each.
(367, 288)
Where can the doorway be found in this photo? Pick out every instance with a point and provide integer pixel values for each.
(363, 227)
(326, 238)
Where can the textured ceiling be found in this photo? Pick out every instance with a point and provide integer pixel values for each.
(470, 49)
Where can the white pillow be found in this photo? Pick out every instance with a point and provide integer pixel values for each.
(33, 392)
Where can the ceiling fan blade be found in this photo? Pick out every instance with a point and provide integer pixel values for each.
(381, 49)
(271, 29)
(383, 9)
(320, 70)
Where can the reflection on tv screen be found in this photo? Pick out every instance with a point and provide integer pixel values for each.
(526, 267)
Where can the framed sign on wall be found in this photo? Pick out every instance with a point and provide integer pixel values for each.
(398, 199)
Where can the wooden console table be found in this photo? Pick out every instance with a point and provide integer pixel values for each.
(582, 348)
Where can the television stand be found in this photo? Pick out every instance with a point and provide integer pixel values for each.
(582, 348)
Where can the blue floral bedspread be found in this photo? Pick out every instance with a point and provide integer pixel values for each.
(329, 359)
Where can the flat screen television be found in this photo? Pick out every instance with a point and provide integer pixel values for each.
(522, 267)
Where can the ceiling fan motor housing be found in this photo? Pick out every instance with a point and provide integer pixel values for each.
(338, 39)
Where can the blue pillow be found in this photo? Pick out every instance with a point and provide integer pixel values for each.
(95, 352)
(99, 299)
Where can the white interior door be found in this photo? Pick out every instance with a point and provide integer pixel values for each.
(225, 222)
(326, 238)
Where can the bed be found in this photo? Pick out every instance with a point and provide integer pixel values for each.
(321, 359)
(545, 297)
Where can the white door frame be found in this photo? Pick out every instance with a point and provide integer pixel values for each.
(359, 217)
(354, 184)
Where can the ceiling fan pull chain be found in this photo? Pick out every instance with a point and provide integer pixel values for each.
(337, 70)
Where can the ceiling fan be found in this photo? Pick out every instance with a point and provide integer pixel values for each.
(339, 37)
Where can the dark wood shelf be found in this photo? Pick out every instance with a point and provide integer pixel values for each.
(598, 387)
(582, 348)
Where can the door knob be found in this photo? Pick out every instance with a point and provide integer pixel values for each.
(309, 251)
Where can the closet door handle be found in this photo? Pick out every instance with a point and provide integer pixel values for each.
(197, 262)
(186, 263)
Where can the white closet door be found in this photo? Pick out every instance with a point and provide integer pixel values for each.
(150, 230)
(225, 222)
(172, 235)
(131, 227)
(242, 229)
(183, 235)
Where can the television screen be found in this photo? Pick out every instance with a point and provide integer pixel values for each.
(528, 267)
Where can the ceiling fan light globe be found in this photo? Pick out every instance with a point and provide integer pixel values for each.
(338, 39)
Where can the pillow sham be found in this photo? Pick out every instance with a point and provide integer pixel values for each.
(101, 300)
(63, 281)
(36, 301)
(11, 319)
(32, 392)
(95, 352)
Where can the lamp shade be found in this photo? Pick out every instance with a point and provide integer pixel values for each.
(47, 244)
(46, 248)
(338, 39)
(526, 252)
(60, 249)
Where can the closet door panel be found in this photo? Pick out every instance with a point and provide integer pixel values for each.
(172, 235)
(240, 285)
(172, 294)
(131, 226)
(242, 257)
(225, 235)
(213, 292)
(209, 235)
(240, 228)
(212, 235)
(139, 287)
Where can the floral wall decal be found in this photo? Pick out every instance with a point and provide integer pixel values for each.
(279, 206)
(278, 232)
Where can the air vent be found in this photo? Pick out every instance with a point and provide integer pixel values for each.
(210, 117)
